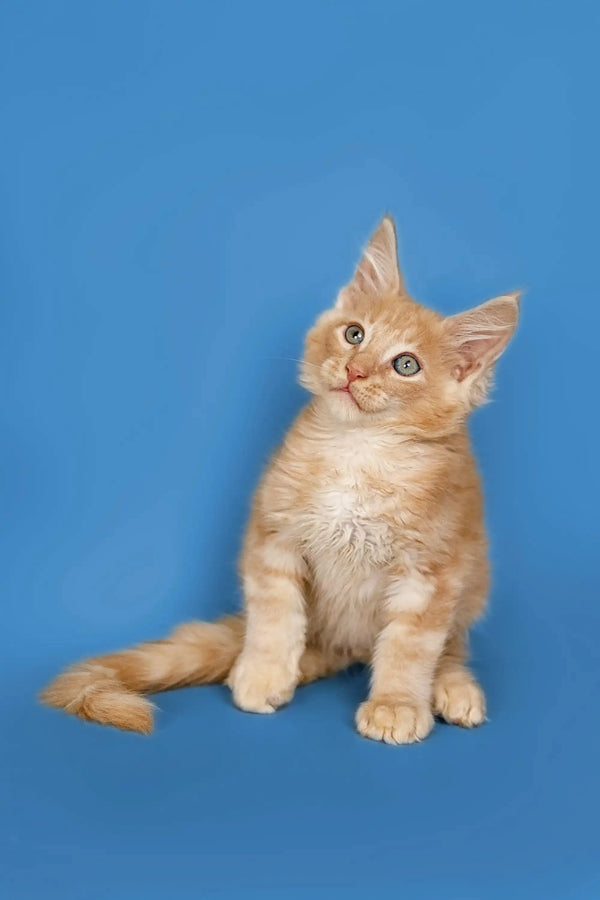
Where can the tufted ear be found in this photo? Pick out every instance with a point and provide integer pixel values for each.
(475, 339)
(378, 270)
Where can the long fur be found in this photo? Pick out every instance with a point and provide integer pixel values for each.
(108, 689)
(366, 540)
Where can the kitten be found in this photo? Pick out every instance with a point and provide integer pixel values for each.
(366, 540)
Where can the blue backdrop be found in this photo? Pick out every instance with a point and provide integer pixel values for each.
(185, 186)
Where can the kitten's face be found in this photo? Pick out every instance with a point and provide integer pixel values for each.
(378, 356)
(395, 372)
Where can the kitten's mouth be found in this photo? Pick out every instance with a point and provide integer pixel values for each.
(345, 389)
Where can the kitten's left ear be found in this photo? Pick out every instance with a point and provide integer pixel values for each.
(478, 337)
(378, 270)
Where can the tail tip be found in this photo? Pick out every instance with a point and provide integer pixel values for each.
(104, 703)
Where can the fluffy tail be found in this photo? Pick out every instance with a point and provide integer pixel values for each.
(108, 689)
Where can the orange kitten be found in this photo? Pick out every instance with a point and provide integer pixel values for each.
(366, 540)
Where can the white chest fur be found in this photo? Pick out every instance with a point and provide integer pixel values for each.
(346, 519)
(348, 514)
(342, 498)
(348, 534)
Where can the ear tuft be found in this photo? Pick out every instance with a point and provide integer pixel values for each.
(478, 337)
(378, 270)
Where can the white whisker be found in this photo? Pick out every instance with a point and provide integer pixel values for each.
(293, 359)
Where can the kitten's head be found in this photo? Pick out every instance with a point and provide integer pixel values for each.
(379, 356)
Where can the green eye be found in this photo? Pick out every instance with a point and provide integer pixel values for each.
(354, 334)
(405, 364)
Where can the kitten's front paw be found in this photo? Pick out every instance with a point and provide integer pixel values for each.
(459, 702)
(261, 686)
(393, 721)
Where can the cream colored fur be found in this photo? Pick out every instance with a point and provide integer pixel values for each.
(366, 540)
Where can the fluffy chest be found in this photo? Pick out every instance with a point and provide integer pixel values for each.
(347, 519)
(346, 500)
(350, 513)
(349, 542)
(345, 503)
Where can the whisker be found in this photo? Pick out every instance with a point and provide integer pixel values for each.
(293, 359)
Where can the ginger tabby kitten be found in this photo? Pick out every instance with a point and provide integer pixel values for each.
(366, 540)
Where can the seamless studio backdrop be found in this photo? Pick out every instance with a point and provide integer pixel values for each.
(185, 186)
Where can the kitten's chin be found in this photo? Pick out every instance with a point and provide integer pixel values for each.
(343, 406)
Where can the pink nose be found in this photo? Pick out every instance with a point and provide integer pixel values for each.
(354, 372)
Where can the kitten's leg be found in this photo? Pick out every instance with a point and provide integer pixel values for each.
(319, 663)
(457, 697)
(266, 673)
(406, 655)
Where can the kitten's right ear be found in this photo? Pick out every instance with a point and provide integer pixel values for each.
(378, 271)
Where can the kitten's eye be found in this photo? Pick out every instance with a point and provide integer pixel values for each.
(405, 364)
(354, 334)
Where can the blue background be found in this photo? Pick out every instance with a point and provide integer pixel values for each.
(185, 186)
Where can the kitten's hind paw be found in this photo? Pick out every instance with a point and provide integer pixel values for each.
(459, 702)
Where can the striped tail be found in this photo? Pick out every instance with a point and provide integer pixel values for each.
(109, 689)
